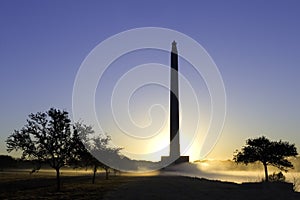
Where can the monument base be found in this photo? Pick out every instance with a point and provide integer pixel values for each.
(182, 159)
(169, 161)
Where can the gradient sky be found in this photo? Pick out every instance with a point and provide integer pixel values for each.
(255, 44)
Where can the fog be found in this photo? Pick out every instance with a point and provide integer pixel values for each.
(228, 171)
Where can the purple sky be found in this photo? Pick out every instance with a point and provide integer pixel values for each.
(255, 44)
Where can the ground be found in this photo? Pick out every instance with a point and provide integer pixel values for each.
(22, 185)
(178, 187)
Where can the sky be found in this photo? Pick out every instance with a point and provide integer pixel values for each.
(255, 45)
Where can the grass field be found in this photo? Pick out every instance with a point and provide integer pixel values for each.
(42, 185)
(77, 185)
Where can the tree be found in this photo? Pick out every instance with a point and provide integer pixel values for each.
(267, 152)
(90, 145)
(82, 147)
(47, 137)
(100, 149)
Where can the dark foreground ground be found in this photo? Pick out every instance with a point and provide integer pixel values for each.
(172, 187)
(42, 186)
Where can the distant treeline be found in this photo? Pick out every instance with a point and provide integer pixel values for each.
(8, 162)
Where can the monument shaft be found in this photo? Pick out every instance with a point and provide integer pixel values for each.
(174, 104)
(174, 157)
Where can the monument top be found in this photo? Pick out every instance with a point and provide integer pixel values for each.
(174, 48)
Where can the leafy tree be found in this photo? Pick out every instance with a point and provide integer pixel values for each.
(83, 158)
(90, 145)
(82, 147)
(47, 137)
(100, 149)
(267, 152)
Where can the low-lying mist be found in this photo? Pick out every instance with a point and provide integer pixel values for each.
(228, 171)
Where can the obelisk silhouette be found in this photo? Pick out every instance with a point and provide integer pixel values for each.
(175, 156)
(174, 104)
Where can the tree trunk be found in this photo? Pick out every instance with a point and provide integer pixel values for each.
(106, 173)
(94, 175)
(57, 179)
(266, 172)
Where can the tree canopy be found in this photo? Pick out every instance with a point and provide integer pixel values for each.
(92, 148)
(267, 152)
(47, 137)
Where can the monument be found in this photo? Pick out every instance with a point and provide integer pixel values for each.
(174, 156)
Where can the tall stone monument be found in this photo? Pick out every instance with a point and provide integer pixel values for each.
(174, 112)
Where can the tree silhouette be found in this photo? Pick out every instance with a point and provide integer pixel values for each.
(47, 137)
(91, 145)
(267, 152)
(100, 149)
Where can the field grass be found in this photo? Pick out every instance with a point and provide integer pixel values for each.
(77, 185)
(42, 185)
